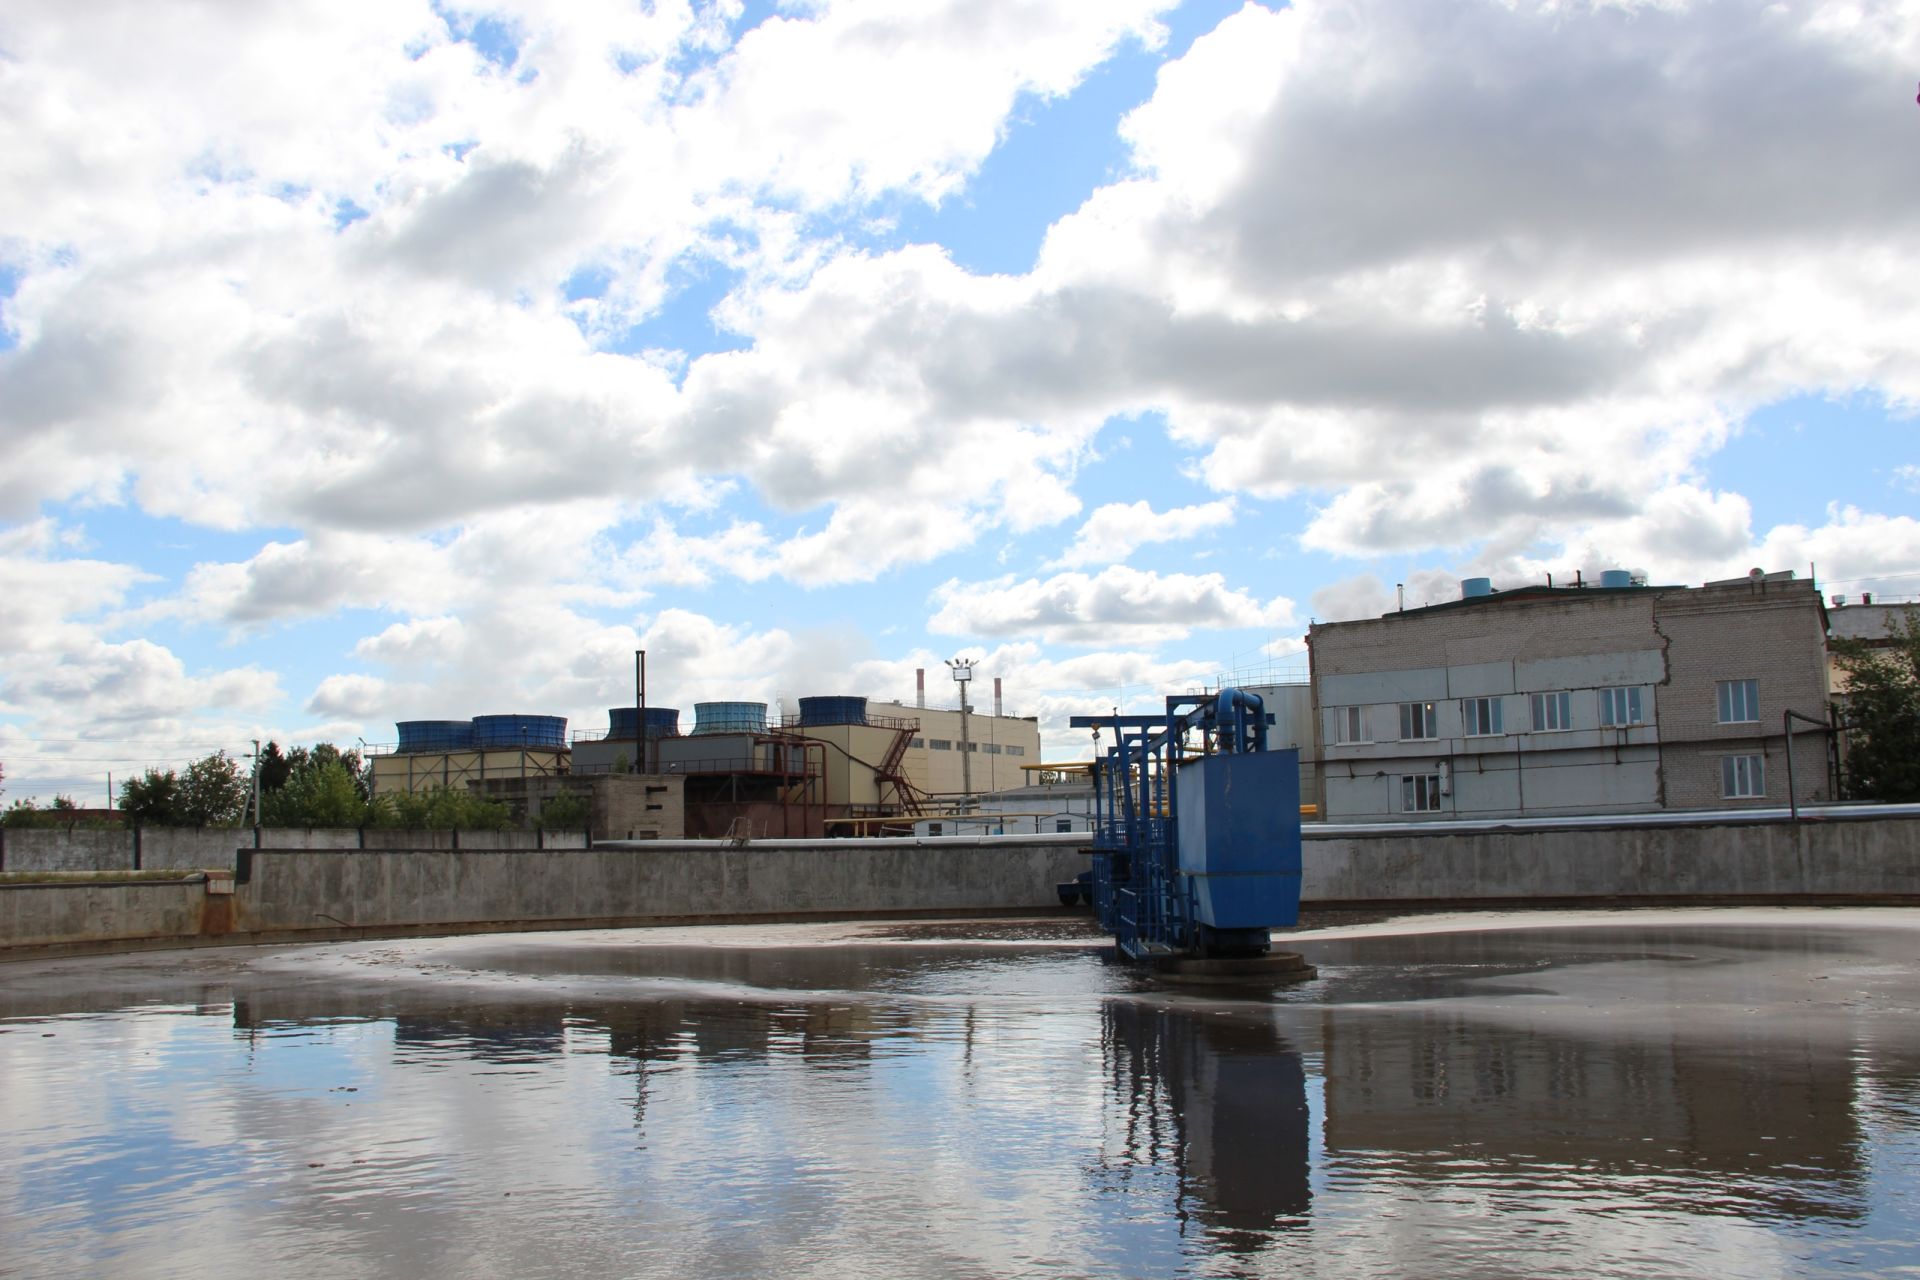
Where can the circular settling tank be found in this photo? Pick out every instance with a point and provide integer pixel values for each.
(1625, 1095)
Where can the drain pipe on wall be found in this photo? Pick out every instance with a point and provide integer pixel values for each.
(1786, 724)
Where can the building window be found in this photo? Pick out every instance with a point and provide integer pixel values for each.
(1552, 711)
(1481, 716)
(933, 828)
(1620, 707)
(1417, 721)
(1739, 701)
(1743, 777)
(1350, 724)
(939, 744)
(992, 748)
(1420, 793)
(1016, 751)
(973, 746)
(1063, 824)
(918, 742)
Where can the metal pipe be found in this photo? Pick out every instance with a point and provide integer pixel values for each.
(1786, 724)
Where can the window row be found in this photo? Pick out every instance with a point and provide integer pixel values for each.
(989, 748)
(1741, 778)
(1619, 707)
(1486, 717)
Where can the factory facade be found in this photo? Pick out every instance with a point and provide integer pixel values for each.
(1614, 698)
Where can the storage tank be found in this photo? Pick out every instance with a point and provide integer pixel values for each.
(1616, 578)
(1473, 587)
(434, 735)
(820, 711)
(729, 717)
(661, 722)
(519, 731)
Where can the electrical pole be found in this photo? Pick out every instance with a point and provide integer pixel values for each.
(963, 676)
(640, 710)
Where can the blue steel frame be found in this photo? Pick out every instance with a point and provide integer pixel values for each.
(1140, 895)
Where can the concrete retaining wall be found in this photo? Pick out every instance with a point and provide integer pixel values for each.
(302, 889)
(207, 848)
(1855, 859)
(56, 849)
(102, 914)
(282, 892)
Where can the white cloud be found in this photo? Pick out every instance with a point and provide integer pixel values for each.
(1115, 531)
(1487, 283)
(1361, 596)
(1117, 604)
(350, 698)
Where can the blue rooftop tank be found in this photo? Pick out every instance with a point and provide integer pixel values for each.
(1472, 588)
(434, 735)
(729, 717)
(823, 711)
(661, 722)
(1615, 578)
(519, 731)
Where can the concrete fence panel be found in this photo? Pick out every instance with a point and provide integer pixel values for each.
(63, 849)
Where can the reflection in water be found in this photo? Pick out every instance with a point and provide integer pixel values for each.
(1612, 1102)
(1222, 1102)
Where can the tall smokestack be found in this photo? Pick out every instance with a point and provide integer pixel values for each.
(920, 687)
(996, 695)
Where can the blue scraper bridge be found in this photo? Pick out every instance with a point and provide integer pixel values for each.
(1196, 845)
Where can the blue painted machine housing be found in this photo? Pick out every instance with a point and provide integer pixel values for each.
(1196, 848)
(1237, 838)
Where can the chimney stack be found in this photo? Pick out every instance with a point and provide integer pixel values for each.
(920, 687)
(996, 695)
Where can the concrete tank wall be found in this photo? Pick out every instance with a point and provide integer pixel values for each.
(59, 849)
(663, 880)
(289, 892)
(212, 848)
(1848, 859)
(99, 914)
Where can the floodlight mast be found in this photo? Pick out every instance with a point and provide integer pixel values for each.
(962, 675)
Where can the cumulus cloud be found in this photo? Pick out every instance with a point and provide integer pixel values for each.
(350, 697)
(1361, 596)
(1116, 530)
(1118, 604)
(1480, 286)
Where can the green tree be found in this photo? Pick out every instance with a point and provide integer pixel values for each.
(25, 813)
(274, 769)
(316, 795)
(211, 793)
(439, 809)
(152, 799)
(61, 813)
(1882, 712)
(567, 811)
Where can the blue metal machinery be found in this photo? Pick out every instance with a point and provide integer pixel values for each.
(1196, 848)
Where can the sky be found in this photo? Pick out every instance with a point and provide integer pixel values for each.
(419, 361)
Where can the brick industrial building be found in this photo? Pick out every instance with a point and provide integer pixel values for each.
(1615, 698)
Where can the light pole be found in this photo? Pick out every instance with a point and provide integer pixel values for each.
(963, 676)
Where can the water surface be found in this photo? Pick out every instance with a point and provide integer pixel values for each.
(1639, 1095)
